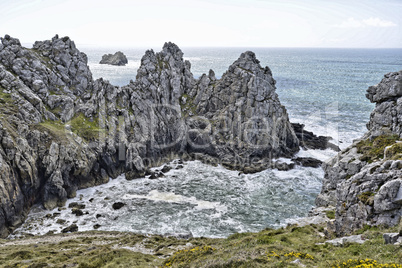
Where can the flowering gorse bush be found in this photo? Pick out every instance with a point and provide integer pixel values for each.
(367, 263)
(290, 255)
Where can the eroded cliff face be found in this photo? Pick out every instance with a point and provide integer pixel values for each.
(247, 119)
(364, 182)
(61, 131)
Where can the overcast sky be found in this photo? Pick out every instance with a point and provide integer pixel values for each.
(237, 23)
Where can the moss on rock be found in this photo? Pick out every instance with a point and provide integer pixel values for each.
(373, 150)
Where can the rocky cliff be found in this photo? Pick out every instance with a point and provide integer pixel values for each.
(61, 131)
(117, 58)
(364, 182)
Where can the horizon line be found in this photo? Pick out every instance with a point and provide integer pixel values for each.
(212, 46)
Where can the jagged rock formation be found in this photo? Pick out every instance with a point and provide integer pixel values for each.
(61, 131)
(309, 140)
(239, 116)
(387, 115)
(364, 181)
(117, 58)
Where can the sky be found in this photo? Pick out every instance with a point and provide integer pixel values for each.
(208, 23)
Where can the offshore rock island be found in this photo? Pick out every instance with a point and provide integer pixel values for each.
(117, 58)
(61, 130)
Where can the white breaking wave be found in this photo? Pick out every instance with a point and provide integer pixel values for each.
(199, 199)
(155, 195)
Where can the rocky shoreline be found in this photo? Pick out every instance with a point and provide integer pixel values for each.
(61, 130)
(364, 181)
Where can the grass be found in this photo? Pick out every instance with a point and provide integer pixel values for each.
(56, 129)
(5, 98)
(280, 248)
(330, 214)
(8, 113)
(84, 127)
(80, 125)
(373, 150)
(268, 248)
(188, 108)
(7, 105)
(394, 152)
(367, 198)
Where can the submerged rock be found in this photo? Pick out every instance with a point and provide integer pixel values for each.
(77, 212)
(76, 205)
(309, 140)
(307, 162)
(70, 229)
(118, 205)
(117, 58)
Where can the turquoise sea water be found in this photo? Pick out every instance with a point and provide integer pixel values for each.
(322, 88)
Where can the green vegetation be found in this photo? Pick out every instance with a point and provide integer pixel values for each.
(369, 263)
(244, 69)
(8, 111)
(55, 128)
(187, 107)
(269, 248)
(80, 125)
(367, 198)
(394, 152)
(5, 98)
(7, 105)
(46, 60)
(162, 64)
(330, 214)
(373, 150)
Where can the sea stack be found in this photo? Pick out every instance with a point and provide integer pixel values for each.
(118, 59)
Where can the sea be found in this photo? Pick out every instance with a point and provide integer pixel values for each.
(322, 88)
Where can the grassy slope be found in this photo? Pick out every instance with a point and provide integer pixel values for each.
(268, 248)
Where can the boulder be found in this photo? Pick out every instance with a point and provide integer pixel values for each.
(346, 240)
(390, 238)
(70, 229)
(309, 140)
(77, 212)
(118, 205)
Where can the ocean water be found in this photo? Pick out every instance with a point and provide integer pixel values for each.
(321, 88)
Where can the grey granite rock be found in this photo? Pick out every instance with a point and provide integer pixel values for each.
(390, 238)
(367, 192)
(346, 240)
(62, 131)
(117, 58)
(388, 112)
